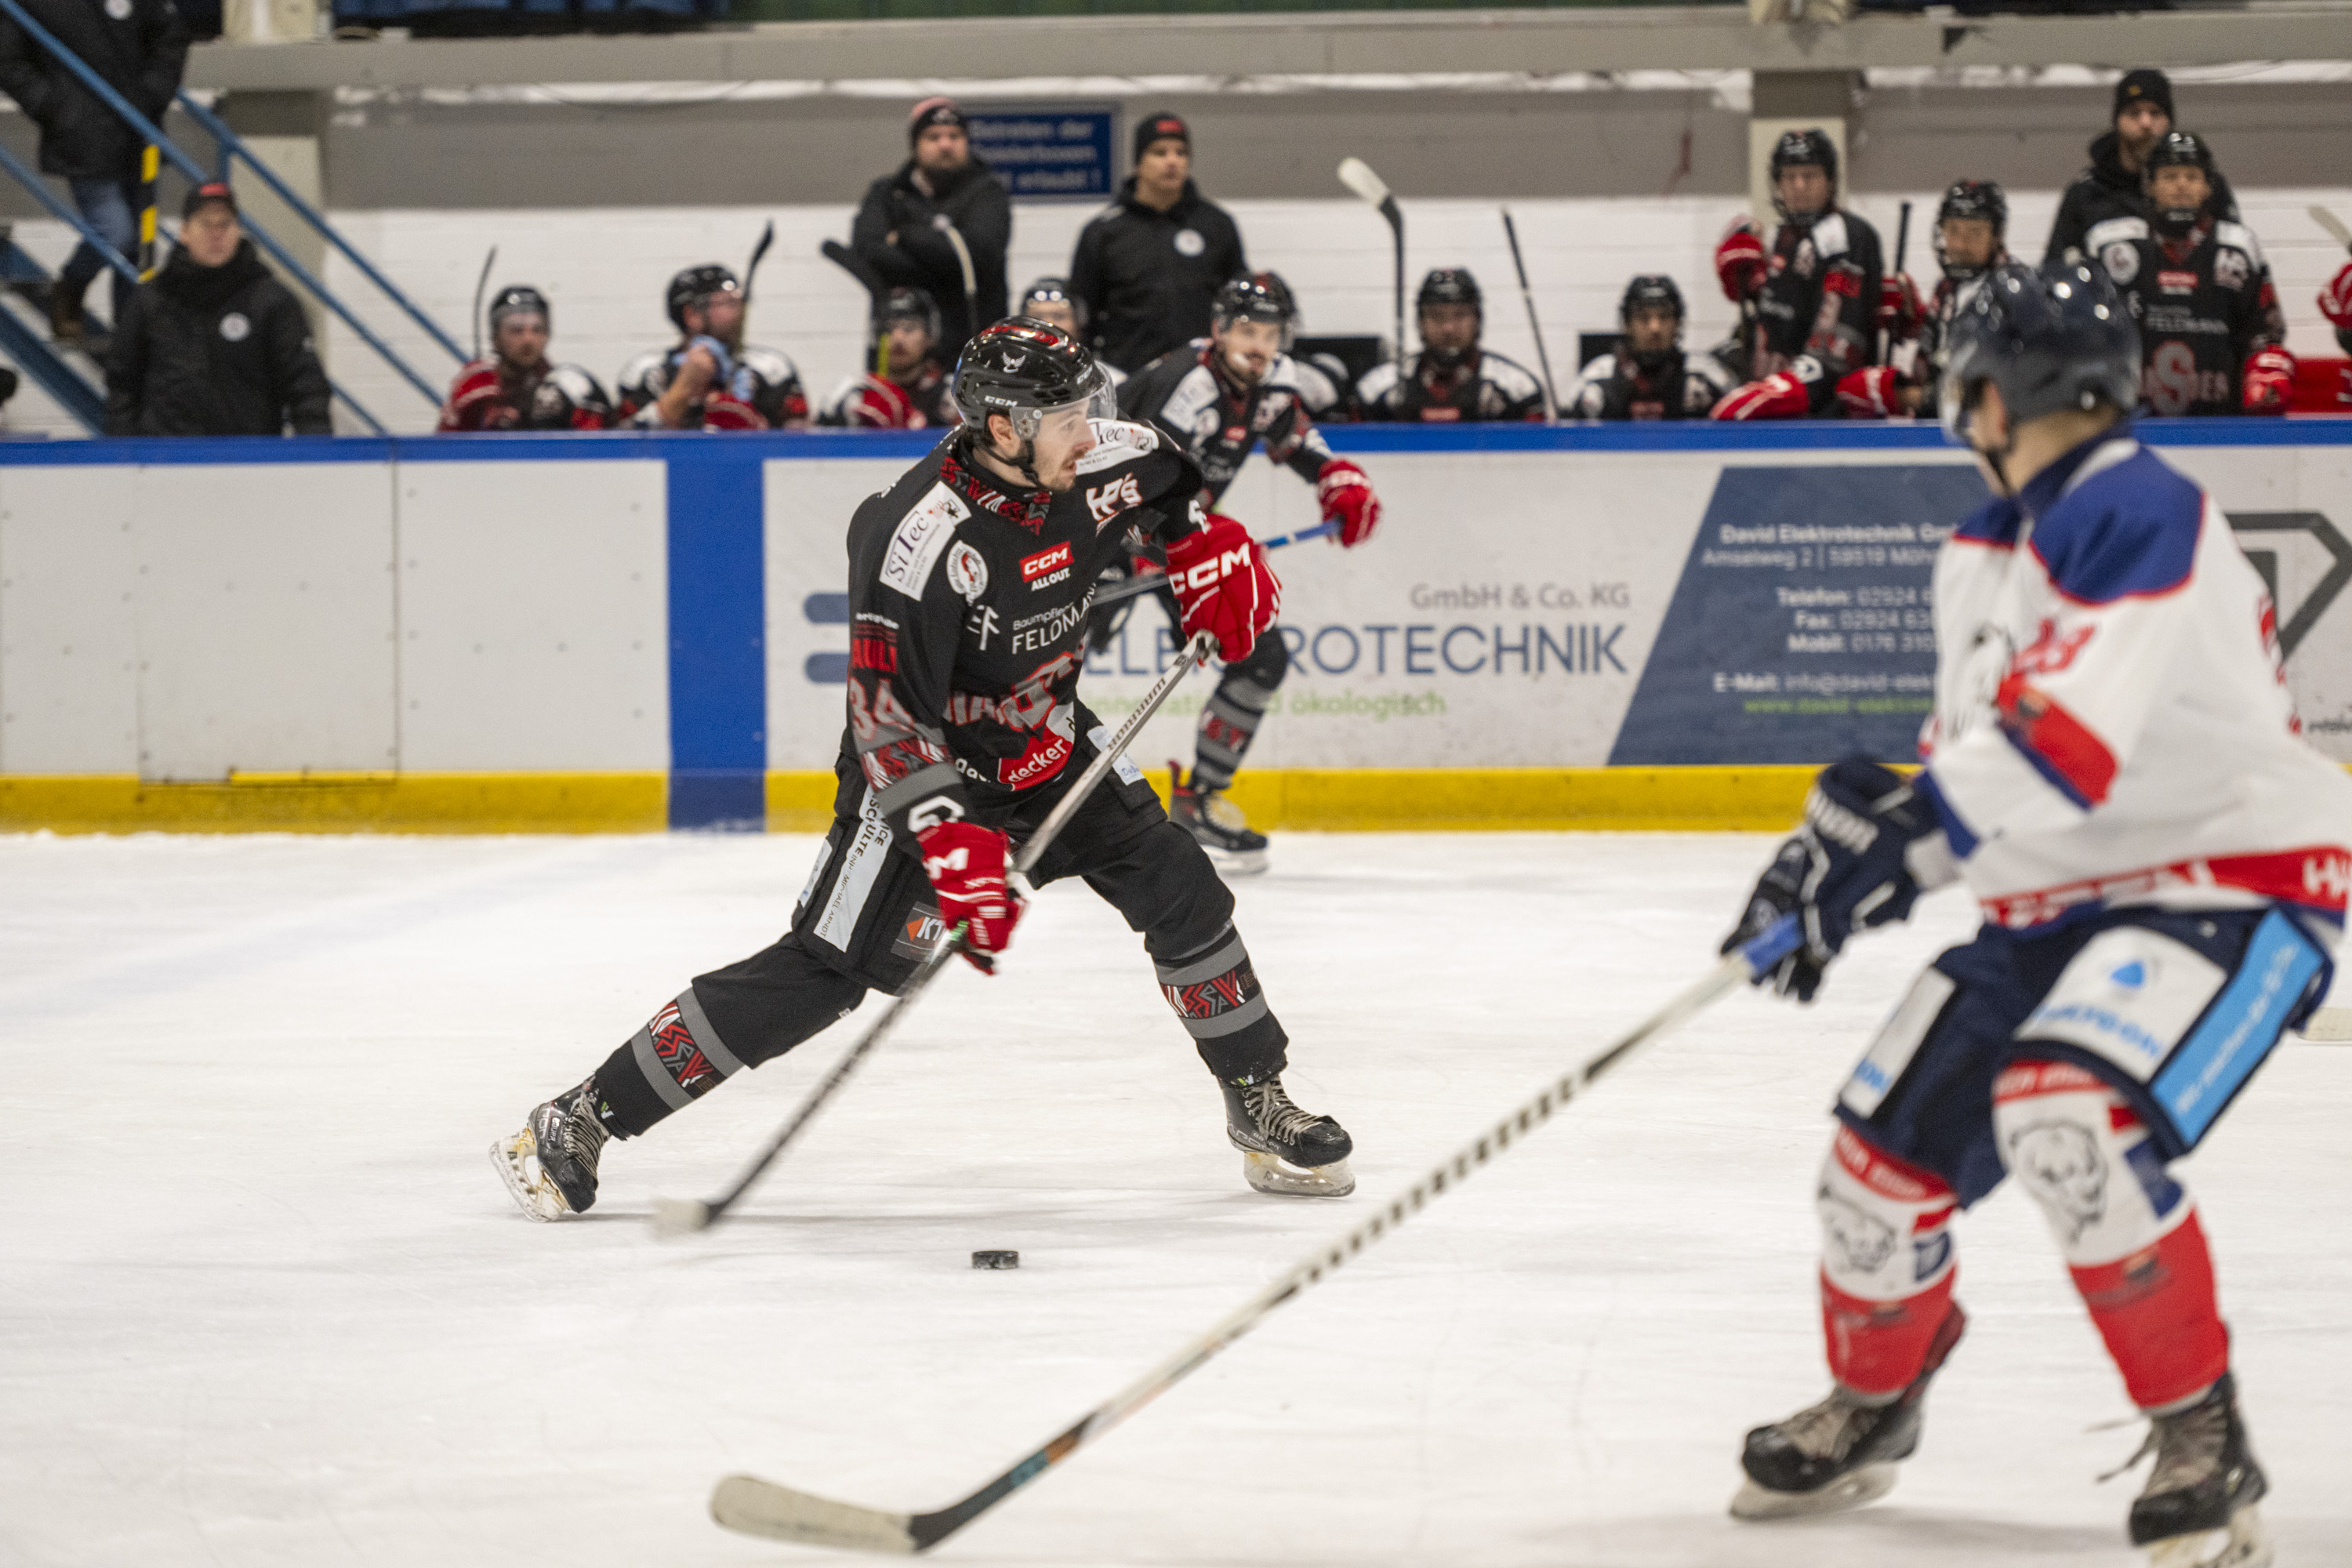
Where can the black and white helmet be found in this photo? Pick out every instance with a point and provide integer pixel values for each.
(1653, 288)
(1052, 291)
(1258, 297)
(1024, 369)
(695, 286)
(1449, 286)
(904, 304)
(1972, 198)
(2177, 149)
(1795, 148)
(520, 300)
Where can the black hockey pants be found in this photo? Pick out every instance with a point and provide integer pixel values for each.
(866, 920)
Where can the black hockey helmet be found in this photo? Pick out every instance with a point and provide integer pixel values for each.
(2177, 149)
(1972, 199)
(1052, 291)
(903, 304)
(1024, 369)
(1449, 286)
(2050, 340)
(1257, 297)
(1651, 289)
(1795, 148)
(695, 286)
(520, 300)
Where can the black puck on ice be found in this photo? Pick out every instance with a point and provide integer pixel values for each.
(994, 1259)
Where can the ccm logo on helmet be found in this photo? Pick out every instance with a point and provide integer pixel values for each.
(1219, 567)
(1046, 567)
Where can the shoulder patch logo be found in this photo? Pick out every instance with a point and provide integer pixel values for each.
(1107, 501)
(921, 537)
(967, 573)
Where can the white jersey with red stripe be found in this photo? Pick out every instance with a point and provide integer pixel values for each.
(2112, 724)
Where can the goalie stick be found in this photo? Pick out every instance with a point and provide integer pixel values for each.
(1151, 580)
(1357, 177)
(755, 1507)
(677, 1217)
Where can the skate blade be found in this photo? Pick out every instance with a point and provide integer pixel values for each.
(1271, 1174)
(517, 1160)
(2244, 1544)
(1867, 1484)
(1237, 862)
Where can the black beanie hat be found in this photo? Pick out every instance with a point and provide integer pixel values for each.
(1160, 128)
(2143, 85)
(935, 111)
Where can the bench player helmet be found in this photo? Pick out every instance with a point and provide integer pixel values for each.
(1448, 286)
(2177, 148)
(1052, 291)
(2050, 340)
(1795, 148)
(907, 305)
(1654, 291)
(1024, 369)
(1972, 198)
(520, 300)
(1258, 297)
(695, 286)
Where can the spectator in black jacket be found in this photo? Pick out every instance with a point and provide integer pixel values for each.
(1148, 264)
(214, 345)
(941, 225)
(138, 48)
(2112, 185)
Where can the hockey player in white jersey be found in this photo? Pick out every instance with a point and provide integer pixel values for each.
(2113, 770)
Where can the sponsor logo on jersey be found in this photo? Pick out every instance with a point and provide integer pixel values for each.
(1048, 567)
(922, 536)
(1107, 501)
(2121, 258)
(873, 650)
(2175, 282)
(1039, 633)
(2230, 267)
(967, 573)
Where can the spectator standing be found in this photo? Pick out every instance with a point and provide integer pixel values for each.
(514, 387)
(1649, 376)
(2212, 338)
(214, 345)
(708, 380)
(1148, 265)
(2113, 187)
(1452, 378)
(941, 223)
(908, 389)
(139, 47)
(1809, 292)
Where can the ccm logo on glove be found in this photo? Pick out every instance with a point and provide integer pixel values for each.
(1223, 586)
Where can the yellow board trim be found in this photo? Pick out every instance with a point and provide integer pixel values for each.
(339, 803)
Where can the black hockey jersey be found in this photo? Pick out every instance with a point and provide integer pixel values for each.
(1217, 421)
(2204, 303)
(968, 604)
(757, 389)
(1685, 386)
(1483, 387)
(1816, 316)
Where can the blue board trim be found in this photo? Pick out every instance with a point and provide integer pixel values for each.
(718, 643)
(2239, 1029)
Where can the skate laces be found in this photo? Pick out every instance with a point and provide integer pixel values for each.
(585, 1134)
(2187, 1444)
(1271, 1107)
(1828, 1430)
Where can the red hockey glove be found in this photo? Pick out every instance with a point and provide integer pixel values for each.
(966, 864)
(1899, 310)
(1873, 394)
(476, 401)
(2335, 299)
(1223, 586)
(1345, 491)
(2269, 381)
(725, 411)
(880, 404)
(1739, 261)
(1780, 396)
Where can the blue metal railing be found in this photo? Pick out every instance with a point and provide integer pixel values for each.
(195, 172)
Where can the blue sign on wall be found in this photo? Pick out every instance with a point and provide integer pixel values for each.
(1048, 151)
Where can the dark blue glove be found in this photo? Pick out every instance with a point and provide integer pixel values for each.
(1869, 846)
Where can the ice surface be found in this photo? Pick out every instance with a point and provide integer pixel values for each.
(262, 1299)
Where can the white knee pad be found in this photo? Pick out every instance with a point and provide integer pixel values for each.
(1885, 1226)
(2088, 1160)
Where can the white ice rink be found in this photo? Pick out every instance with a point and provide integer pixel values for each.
(263, 1300)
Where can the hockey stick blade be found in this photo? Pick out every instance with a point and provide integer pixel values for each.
(681, 1216)
(1357, 177)
(2332, 224)
(2328, 1026)
(763, 1508)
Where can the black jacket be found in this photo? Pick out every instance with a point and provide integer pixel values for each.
(141, 57)
(2106, 189)
(215, 351)
(1148, 277)
(974, 200)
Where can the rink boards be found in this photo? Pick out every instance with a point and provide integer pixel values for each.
(1624, 626)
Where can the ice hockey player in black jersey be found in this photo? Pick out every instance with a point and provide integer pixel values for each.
(1649, 376)
(1452, 378)
(908, 389)
(709, 380)
(516, 386)
(969, 584)
(2212, 338)
(1971, 239)
(1217, 399)
(1808, 292)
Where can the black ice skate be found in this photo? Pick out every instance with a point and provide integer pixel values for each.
(1216, 824)
(550, 1165)
(1842, 1453)
(1284, 1150)
(2198, 1509)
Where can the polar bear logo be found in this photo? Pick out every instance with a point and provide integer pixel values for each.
(2060, 1164)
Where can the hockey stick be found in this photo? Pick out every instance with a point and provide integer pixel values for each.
(1902, 245)
(1357, 177)
(677, 1217)
(2333, 225)
(755, 1507)
(1527, 295)
(480, 284)
(759, 254)
(1150, 581)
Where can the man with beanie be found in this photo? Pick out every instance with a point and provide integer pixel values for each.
(214, 345)
(2111, 186)
(941, 223)
(1147, 266)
